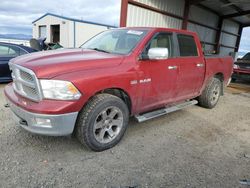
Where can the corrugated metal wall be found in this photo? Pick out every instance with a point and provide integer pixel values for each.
(226, 39)
(138, 16)
(199, 18)
(175, 7)
(206, 34)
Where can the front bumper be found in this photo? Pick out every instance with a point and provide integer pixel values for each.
(54, 125)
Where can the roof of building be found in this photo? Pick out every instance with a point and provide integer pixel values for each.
(237, 10)
(72, 19)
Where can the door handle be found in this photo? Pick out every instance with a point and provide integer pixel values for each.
(199, 65)
(172, 67)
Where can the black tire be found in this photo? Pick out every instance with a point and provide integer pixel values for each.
(207, 99)
(87, 120)
(233, 80)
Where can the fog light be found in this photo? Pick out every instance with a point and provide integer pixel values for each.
(42, 122)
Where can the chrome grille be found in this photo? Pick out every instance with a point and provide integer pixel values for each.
(26, 76)
(25, 82)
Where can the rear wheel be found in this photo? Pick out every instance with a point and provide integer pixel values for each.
(103, 122)
(211, 94)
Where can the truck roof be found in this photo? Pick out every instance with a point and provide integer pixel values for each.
(161, 28)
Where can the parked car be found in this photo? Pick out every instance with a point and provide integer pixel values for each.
(92, 91)
(241, 69)
(7, 52)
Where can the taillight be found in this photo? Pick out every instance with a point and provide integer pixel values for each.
(236, 66)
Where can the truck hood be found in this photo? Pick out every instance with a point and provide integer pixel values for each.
(49, 64)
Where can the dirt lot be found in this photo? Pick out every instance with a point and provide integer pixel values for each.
(195, 147)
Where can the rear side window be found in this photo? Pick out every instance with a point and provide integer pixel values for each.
(187, 46)
(8, 51)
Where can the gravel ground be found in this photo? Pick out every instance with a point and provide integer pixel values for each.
(194, 147)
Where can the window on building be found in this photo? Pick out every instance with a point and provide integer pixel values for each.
(187, 45)
(42, 31)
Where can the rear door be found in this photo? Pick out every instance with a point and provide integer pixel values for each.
(157, 78)
(191, 67)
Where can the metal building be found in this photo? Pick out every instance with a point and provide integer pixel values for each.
(219, 23)
(68, 32)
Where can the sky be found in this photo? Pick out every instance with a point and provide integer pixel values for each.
(16, 16)
(245, 41)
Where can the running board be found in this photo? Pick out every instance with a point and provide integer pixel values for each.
(164, 111)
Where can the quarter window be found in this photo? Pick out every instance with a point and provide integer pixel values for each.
(187, 46)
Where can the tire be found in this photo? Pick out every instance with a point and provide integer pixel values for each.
(211, 94)
(233, 80)
(102, 122)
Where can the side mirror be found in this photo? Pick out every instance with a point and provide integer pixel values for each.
(158, 53)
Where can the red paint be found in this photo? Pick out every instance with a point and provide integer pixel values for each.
(186, 15)
(124, 12)
(242, 71)
(92, 72)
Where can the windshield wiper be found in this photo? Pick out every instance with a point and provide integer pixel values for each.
(99, 50)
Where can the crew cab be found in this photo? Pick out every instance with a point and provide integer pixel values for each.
(92, 91)
(241, 69)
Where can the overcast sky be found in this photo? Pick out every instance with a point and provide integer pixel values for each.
(16, 15)
(245, 40)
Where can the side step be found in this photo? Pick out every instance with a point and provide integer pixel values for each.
(164, 111)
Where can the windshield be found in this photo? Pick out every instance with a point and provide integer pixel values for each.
(118, 41)
(246, 57)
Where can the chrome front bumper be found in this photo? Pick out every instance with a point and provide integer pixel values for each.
(44, 124)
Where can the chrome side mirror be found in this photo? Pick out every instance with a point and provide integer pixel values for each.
(158, 53)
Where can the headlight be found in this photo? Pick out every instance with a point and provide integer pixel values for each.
(59, 90)
(236, 67)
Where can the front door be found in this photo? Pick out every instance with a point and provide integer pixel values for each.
(157, 78)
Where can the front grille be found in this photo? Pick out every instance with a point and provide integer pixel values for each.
(26, 76)
(25, 82)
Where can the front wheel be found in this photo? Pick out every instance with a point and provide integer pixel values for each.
(211, 94)
(102, 122)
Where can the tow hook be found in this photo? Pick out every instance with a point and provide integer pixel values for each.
(6, 105)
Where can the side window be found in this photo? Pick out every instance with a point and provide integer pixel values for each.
(187, 46)
(161, 40)
(22, 52)
(8, 51)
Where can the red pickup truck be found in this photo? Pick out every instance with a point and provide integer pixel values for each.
(92, 91)
(241, 69)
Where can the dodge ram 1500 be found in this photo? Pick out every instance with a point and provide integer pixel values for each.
(92, 91)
